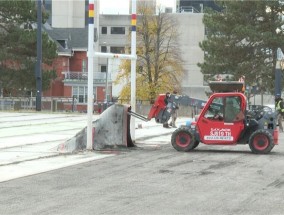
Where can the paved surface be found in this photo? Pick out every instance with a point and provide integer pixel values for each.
(152, 178)
(29, 141)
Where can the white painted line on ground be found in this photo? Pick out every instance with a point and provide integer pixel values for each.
(24, 169)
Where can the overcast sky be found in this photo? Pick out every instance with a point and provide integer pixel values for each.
(122, 6)
(114, 6)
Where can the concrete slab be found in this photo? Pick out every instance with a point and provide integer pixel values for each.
(28, 153)
(30, 142)
(22, 169)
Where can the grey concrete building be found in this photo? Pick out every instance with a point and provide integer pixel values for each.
(191, 32)
(113, 36)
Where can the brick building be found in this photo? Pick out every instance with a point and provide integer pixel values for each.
(69, 30)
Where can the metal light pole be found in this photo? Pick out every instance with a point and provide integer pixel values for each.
(278, 74)
(106, 87)
(38, 74)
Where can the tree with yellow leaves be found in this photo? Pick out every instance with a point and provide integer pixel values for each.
(159, 65)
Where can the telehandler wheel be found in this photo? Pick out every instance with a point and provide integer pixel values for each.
(261, 142)
(196, 143)
(183, 140)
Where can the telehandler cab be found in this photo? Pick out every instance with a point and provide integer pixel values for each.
(224, 120)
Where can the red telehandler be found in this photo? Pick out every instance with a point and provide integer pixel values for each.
(224, 120)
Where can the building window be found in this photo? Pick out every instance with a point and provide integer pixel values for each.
(47, 5)
(168, 10)
(104, 30)
(63, 43)
(103, 68)
(84, 65)
(117, 50)
(103, 49)
(80, 93)
(95, 35)
(117, 30)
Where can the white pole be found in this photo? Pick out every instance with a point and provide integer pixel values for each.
(106, 87)
(90, 55)
(133, 69)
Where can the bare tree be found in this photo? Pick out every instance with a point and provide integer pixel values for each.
(159, 65)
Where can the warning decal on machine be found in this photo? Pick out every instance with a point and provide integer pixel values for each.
(219, 134)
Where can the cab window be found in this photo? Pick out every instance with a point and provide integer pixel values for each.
(215, 110)
(233, 109)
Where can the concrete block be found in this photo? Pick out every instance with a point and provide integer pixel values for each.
(112, 129)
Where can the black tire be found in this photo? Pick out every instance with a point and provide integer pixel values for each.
(196, 143)
(183, 140)
(261, 142)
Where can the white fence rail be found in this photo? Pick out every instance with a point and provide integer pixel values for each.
(29, 103)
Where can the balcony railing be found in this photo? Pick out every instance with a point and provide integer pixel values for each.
(187, 9)
(99, 77)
